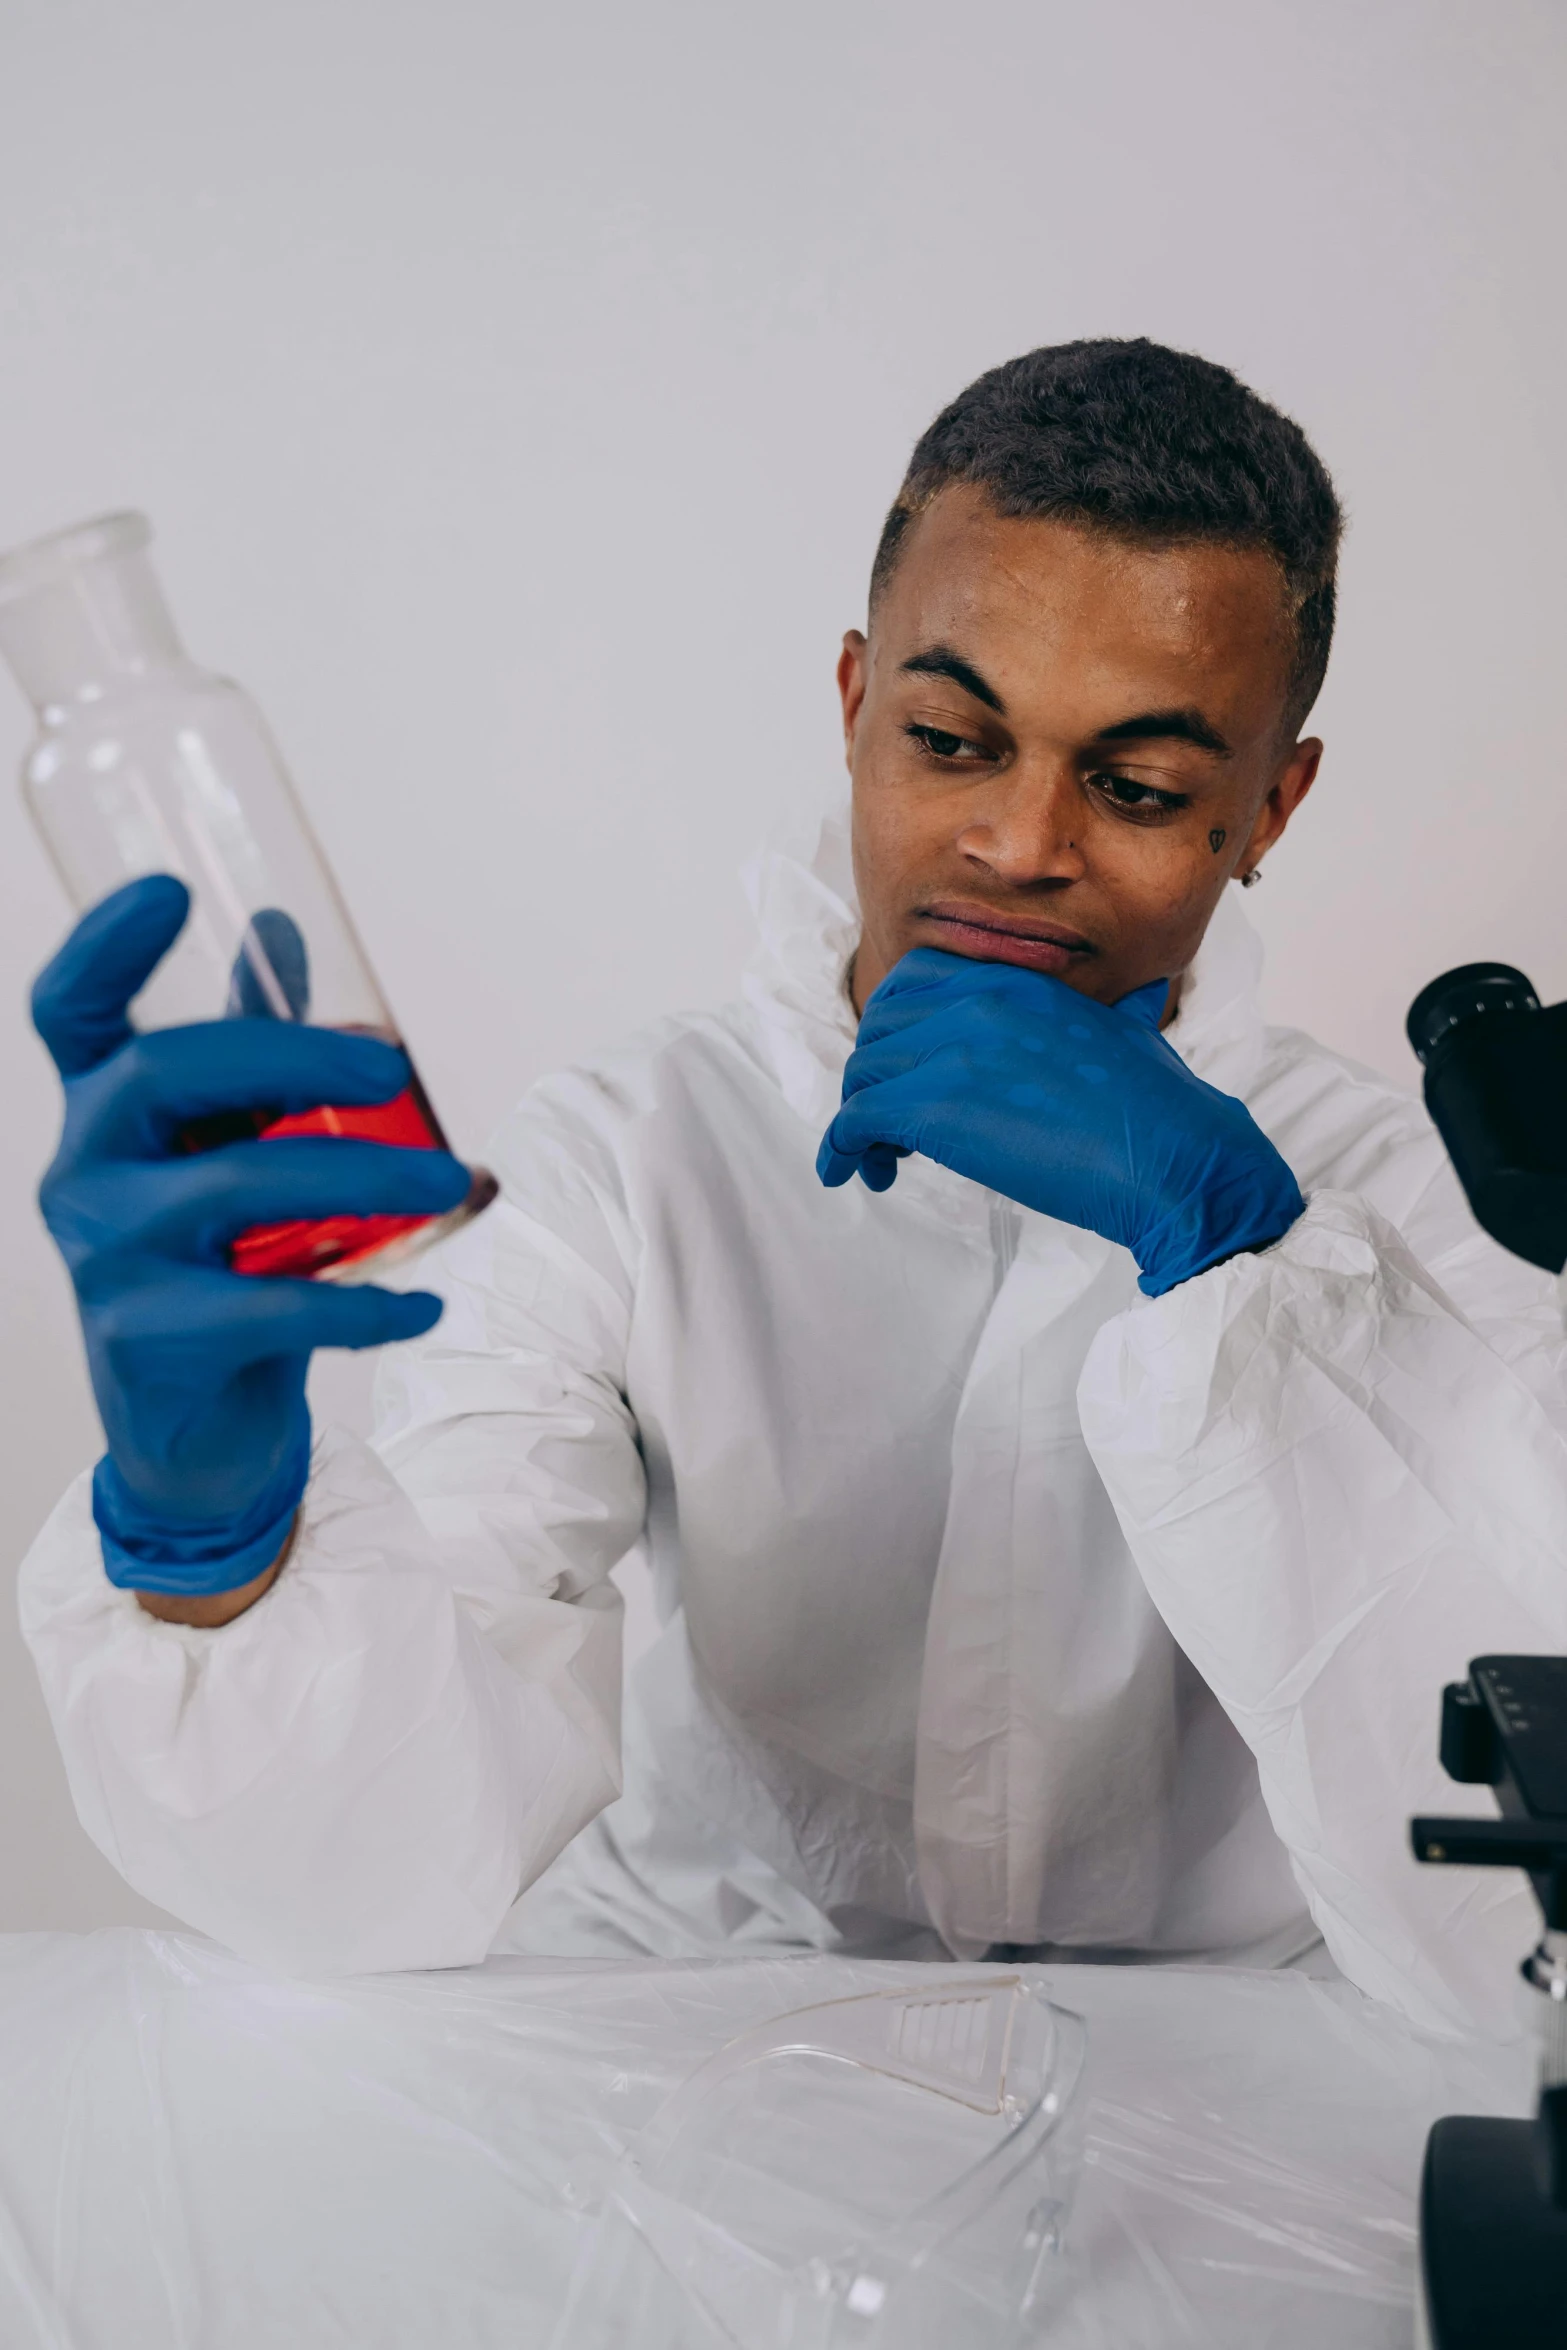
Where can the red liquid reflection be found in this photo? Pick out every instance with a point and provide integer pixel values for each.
(307, 1246)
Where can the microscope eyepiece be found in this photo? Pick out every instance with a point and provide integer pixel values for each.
(1496, 1086)
(1462, 995)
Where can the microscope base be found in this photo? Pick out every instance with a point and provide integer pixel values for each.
(1493, 2251)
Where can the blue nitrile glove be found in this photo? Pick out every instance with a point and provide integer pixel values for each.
(1078, 1109)
(199, 1372)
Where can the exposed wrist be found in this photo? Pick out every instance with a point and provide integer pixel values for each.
(207, 1610)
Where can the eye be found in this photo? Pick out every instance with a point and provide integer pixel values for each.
(951, 749)
(1141, 801)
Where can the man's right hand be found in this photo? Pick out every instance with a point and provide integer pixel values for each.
(198, 1371)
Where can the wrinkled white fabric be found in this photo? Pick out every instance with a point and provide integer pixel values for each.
(1001, 1604)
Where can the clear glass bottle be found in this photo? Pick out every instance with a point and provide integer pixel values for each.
(145, 763)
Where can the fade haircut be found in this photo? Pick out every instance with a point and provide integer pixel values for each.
(1146, 444)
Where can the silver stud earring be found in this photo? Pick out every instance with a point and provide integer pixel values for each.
(1251, 879)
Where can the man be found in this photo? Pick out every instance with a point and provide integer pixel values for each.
(1064, 1506)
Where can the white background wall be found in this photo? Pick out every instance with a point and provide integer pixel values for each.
(517, 391)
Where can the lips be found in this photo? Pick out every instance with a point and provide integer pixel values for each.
(989, 937)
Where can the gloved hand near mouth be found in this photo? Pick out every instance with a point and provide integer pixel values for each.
(1075, 1108)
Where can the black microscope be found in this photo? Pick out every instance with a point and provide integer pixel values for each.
(1493, 2200)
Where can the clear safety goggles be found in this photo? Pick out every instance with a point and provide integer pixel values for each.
(890, 2172)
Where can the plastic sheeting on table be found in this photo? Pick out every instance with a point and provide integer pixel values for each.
(198, 2156)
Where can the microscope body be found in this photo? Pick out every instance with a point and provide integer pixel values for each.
(1493, 2199)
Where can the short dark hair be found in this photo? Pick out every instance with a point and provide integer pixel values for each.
(1142, 443)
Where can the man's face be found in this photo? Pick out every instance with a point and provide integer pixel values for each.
(1063, 746)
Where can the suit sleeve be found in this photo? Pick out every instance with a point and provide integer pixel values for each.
(1339, 1486)
(364, 1770)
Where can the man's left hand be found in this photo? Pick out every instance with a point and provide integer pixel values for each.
(1075, 1108)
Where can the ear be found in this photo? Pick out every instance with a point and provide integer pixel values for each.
(1289, 787)
(854, 675)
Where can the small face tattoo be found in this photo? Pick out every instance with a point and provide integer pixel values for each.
(1216, 839)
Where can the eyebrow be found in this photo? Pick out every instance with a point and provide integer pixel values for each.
(1185, 725)
(1181, 726)
(942, 661)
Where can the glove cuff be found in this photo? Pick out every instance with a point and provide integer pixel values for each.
(1223, 1219)
(140, 1553)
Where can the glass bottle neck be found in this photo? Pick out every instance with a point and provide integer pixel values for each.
(82, 613)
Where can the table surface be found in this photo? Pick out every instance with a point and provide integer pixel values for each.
(195, 2153)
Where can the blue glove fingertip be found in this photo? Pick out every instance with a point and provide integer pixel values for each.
(377, 1070)
(359, 1315)
(80, 998)
(1147, 1005)
(416, 1310)
(445, 1180)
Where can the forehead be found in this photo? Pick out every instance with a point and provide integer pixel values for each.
(1046, 606)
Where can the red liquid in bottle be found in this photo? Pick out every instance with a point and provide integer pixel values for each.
(304, 1245)
(324, 1247)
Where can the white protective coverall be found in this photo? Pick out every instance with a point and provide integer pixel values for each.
(1001, 1604)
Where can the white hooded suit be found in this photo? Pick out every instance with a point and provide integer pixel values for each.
(1002, 1605)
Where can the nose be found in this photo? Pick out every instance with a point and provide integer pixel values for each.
(1022, 829)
